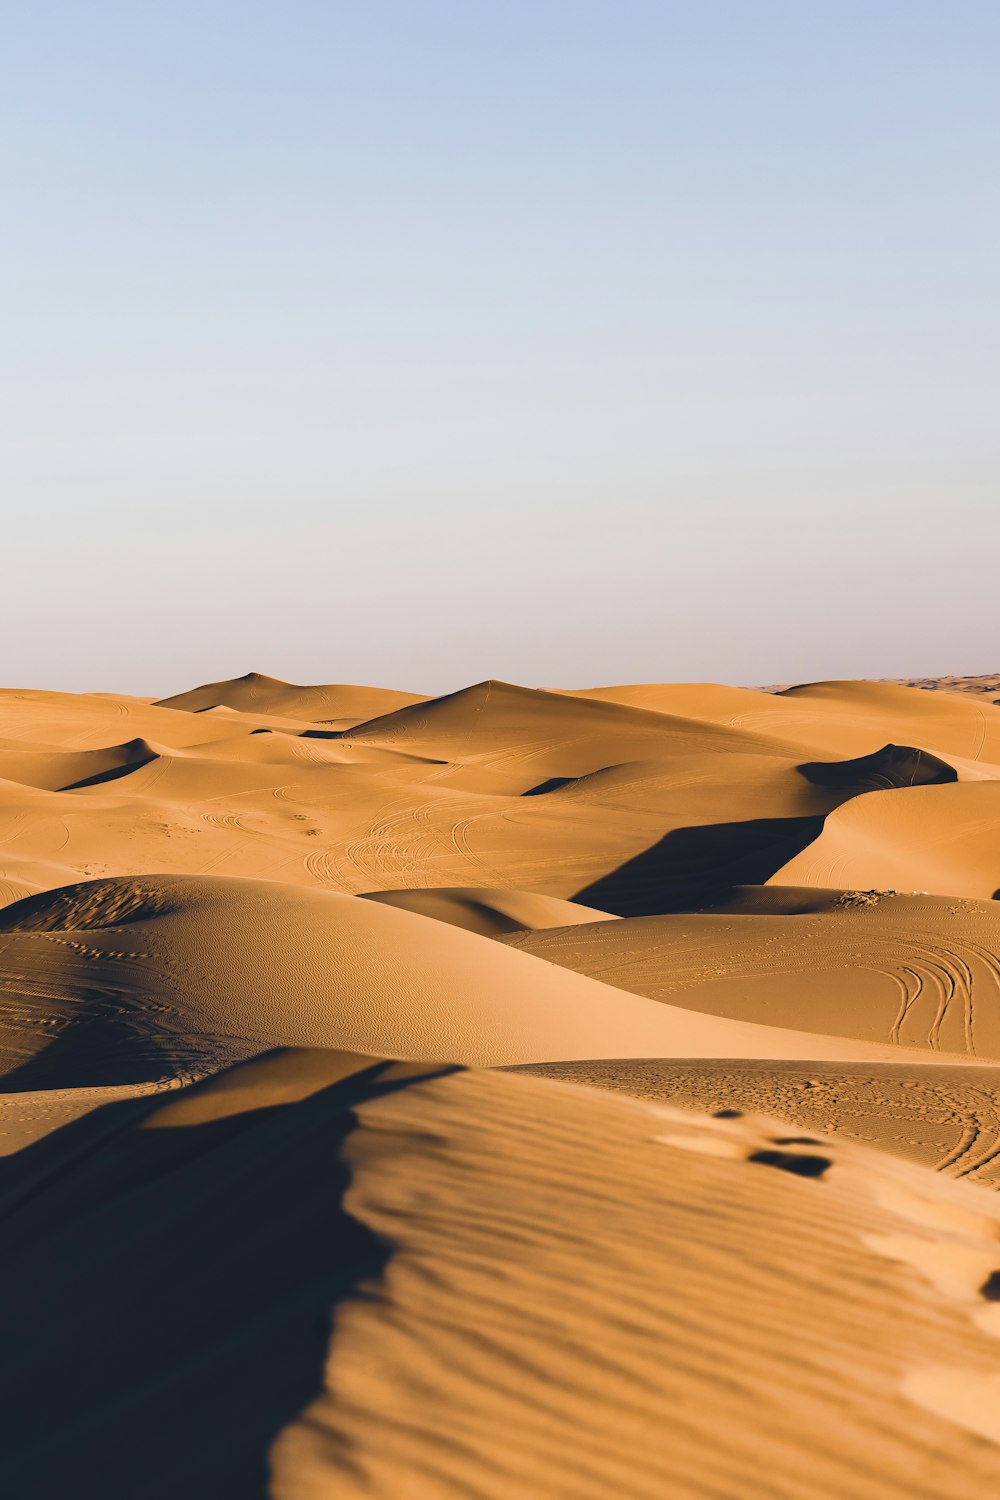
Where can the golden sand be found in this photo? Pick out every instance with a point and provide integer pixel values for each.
(634, 1135)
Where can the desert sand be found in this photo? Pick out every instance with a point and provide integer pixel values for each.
(563, 1093)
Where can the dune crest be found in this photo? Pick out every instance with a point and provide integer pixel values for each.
(489, 1282)
(491, 912)
(659, 1231)
(256, 693)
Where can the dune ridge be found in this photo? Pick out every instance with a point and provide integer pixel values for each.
(590, 1232)
(256, 693)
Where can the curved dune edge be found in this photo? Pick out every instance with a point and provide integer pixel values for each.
(622, 1261)
(844, 719)
(257, 693)
(148, 979)
(944, 839)
(427, 1281)
(490, 912)
(916, 971)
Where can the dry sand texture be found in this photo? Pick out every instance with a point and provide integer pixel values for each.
(610, 1146)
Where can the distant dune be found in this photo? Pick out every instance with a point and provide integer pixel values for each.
(987, 684)
(511, 1093)
(254, 693)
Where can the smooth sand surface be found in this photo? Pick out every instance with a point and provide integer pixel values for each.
(921, 971)
(491, 913)
(165, 978)
(941, 838)
(514, 1093)
(838, 716)
(255, 693)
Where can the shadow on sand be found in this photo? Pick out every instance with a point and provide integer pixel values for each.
(891, 768)
(168, 1294)
(691, 867)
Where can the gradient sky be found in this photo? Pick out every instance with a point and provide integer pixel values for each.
(415, 343)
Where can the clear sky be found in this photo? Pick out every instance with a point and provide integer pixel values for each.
(566, 341)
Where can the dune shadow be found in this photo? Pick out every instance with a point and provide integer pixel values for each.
(692, 867)
(104, 1043)
(113, 773)
(552, 784)
(891, 768)
(169, 1294)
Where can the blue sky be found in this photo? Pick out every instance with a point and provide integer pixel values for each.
(569, 343)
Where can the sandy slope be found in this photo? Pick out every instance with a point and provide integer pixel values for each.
(491, 913)
(139, 980)
(944, 1117)
(845, 718)
(644, 1284)
(941, 838)
(921, 971)
(255, 693)
(987, 685)
(323, 1276)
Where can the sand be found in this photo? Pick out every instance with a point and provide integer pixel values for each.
(946, 839)
(920, 971)
(942, 1116)
(334, 704)
(539, 1290)
(513, 1093)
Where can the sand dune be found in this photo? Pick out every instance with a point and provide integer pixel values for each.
(62, 771)
(935, 838)
(487, 1284)
(627, 809)
(618, 1330)
(919, 971)
(165, 978)
(491, 912)
(943, 1117)
(711, 701)
(79, 721)
(510, 1093)
(255, 693)
(987, 685)
(548, 734)
(844, 718)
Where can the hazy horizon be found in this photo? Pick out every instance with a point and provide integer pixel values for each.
(566, 344)
(449, 689)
